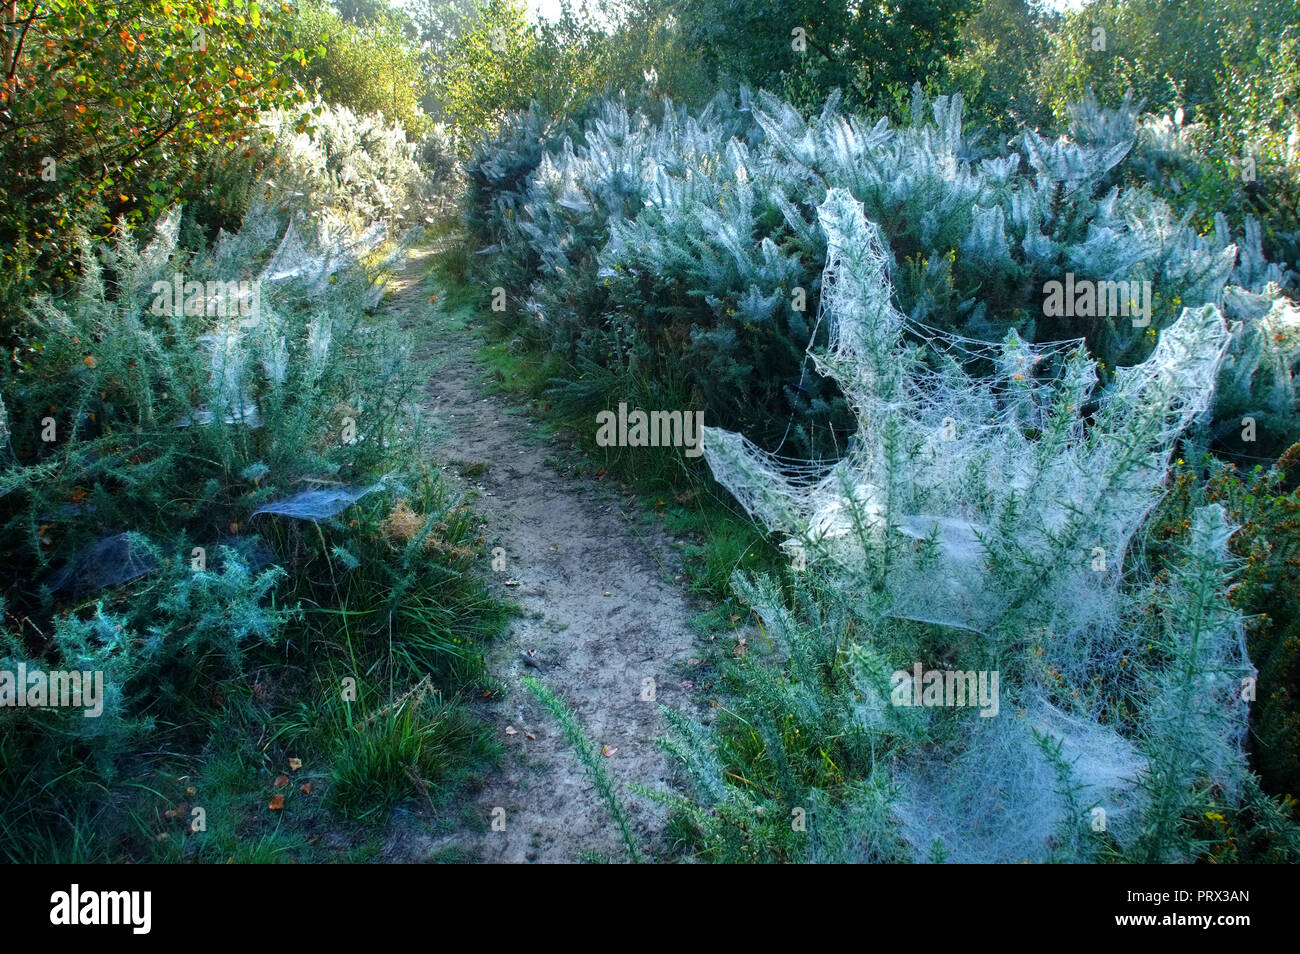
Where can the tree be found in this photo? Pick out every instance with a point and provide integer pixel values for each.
(1002, 45)
(491, 68)
(809, 47)
(371, 65)
(108, 109)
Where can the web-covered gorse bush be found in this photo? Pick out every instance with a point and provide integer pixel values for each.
(686, 246)
(978, 525)
(168, 435)
(977, 471)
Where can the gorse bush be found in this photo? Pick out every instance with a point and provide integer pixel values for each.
(208, 451)
(1229, 67)
(361, 167)
(1003, 535)
(180, 408)
(979, 469)
(685, 247)
(1265, 592)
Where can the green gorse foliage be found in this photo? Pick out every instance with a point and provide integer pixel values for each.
(977, 472)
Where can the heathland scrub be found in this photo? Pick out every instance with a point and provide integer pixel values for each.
(601, 622)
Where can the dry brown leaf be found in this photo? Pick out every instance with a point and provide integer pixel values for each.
(281, 781)
(295, 764)
(277, 803)
(608, 750)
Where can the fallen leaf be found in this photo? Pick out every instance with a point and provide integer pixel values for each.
(531, 736)
(89, 360)
(191, 790)
(295, 764)
(608, 750)
(305, 788)
(511, 730)
(281, 781)
(277, 803)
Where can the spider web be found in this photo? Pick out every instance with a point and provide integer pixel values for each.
(975, 483)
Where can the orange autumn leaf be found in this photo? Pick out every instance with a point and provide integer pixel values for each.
(89, 360)
(281, 781)
(277, 803)
(295, 764)
(305, 788)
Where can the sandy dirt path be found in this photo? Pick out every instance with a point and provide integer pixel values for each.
(601, 616)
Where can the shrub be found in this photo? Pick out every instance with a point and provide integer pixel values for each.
(1265, 592)
(1118, 726)
(1228, 67)
(131, 99)
(682, 248)
(180, 439)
